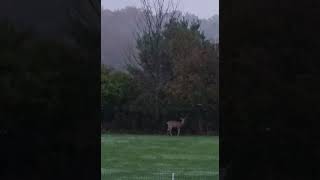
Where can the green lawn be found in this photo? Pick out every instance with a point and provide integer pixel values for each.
(157, 157)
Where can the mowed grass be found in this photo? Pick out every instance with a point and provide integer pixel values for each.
(157, 157)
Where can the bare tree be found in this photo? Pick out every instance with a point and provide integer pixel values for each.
(150, 65)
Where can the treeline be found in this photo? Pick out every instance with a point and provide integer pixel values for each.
(173, 73)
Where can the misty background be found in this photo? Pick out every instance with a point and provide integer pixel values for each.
(118, 25)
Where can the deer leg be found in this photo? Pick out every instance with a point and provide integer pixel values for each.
(178, 131)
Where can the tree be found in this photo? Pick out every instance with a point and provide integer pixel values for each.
(176, 66)
(195, 67)
(150, 66)
(117, 93)
(115, 86)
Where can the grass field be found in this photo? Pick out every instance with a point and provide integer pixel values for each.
(157, 157)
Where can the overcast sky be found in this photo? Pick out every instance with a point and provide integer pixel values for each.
(201, 8)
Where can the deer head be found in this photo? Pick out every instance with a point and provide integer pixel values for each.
(183, 119)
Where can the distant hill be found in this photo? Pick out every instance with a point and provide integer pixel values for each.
(118, 27)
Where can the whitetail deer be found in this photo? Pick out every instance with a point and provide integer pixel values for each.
(175, 124)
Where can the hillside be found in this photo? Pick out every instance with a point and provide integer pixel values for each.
(118, 27)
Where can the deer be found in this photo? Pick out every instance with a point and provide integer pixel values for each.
(175, 124)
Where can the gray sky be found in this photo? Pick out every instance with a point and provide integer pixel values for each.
(201, 8)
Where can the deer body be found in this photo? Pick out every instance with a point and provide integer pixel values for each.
(175, 124)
